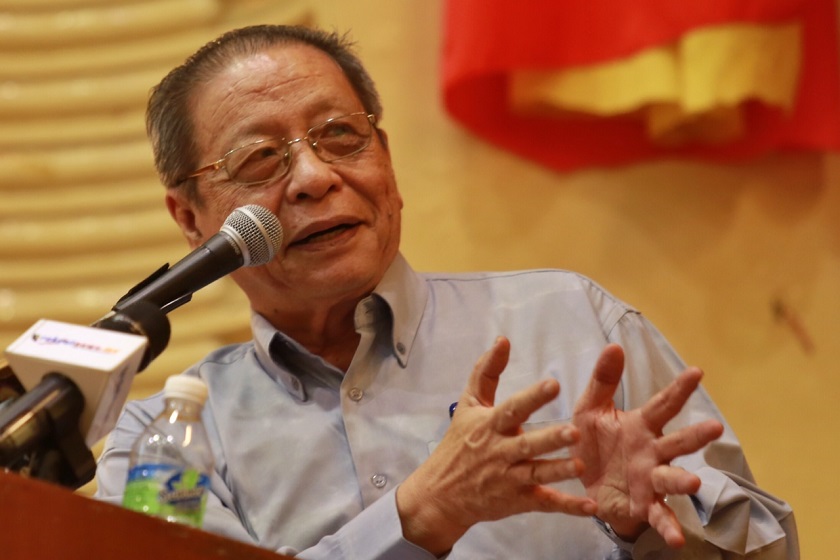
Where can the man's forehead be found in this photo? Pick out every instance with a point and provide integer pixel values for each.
(286, 58)
(275, 69)
(300, 77)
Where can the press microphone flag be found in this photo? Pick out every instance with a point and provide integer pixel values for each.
(100, 362)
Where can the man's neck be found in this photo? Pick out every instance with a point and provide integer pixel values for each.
(329, 332)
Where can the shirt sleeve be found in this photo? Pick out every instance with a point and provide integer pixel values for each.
(376, 533)
(730, 514)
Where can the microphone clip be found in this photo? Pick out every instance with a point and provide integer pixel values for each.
(128, 300)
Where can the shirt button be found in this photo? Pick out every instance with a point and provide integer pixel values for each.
(355, 394)
(379, 480)
(400, 347)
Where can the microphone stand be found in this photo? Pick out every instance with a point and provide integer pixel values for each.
(40, 436)
(10, 387)
(39, 429)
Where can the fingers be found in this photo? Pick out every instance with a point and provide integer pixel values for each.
(548, 499)
(689, 439)
(484, 379)
(485, 375)
(605, 378)
(668, 402)
(673, 480)
(663, 519)
(538, 472)
(530, 444)
(513, 412)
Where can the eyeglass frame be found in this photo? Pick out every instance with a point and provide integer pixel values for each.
(221, 162)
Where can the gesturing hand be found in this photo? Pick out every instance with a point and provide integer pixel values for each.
(627, 457)
(485, 467)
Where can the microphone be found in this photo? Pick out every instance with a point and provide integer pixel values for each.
(77, 380)
(251, 236)
(10, 387)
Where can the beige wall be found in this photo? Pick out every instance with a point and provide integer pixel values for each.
(703, 250)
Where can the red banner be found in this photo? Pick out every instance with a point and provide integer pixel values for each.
(486, 42)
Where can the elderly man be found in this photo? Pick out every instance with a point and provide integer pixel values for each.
(351, 426)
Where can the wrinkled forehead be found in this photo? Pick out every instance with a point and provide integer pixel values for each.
(275, 66)
(280, 83)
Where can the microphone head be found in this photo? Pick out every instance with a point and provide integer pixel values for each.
(258, 229)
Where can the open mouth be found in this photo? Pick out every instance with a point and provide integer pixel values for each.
(325, 235)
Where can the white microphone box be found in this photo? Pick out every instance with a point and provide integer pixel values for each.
(101, 362)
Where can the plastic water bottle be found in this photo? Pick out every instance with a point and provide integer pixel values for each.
(171, 461)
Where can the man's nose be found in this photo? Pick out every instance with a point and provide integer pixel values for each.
(310, 177)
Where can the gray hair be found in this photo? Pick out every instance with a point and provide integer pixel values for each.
(168, 118)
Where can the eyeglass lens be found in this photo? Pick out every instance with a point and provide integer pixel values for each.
(267, 159)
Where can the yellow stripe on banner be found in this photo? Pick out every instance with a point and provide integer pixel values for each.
(689, 91)
(611, 88)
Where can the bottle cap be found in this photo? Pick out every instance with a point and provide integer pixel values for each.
(185, 387)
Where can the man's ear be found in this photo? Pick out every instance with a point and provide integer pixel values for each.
(181, 211)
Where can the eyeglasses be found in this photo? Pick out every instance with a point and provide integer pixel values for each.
(265, 160)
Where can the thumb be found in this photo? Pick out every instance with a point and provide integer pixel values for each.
(481, 386)
(605, 379)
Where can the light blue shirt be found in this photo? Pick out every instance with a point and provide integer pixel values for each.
(308, 457)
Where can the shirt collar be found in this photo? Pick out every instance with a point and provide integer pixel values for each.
(406, 294)
(401, 291)
(268, 342)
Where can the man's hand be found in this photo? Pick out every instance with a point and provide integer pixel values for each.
(485, 468)
(628, 458)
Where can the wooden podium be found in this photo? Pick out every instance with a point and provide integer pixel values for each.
(39, 520)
